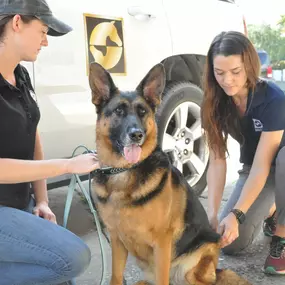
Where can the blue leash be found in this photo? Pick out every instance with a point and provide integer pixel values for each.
(72, 185)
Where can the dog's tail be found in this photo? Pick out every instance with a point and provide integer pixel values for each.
(228, 277)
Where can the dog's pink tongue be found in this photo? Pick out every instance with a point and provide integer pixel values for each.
(132, 153)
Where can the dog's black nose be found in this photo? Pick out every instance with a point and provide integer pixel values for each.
(136, 135)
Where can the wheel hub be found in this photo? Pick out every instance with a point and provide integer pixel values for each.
(184, 146)
(184, 143)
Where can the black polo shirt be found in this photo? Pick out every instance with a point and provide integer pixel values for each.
(265, 113)
(19, 117)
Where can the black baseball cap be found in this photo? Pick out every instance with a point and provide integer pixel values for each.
(37, 8)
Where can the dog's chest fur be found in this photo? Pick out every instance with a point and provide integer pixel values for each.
(137, 226)
(136, 205)
(125, 201)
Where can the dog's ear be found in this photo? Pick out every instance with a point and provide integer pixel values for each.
(152, 86)
(101, 84)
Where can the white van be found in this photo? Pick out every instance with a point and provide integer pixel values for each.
(128, 37)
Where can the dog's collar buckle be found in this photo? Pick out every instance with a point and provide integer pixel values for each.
(109, 170)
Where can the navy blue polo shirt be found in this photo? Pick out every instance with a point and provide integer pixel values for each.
(19, 117)
(265, 113)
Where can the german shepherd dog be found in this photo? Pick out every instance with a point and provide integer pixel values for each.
(148, 208)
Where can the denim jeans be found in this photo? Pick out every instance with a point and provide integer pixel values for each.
(34, 251)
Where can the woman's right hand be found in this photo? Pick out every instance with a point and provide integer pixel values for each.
(83, 163)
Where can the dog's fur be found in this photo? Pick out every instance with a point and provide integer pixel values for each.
(149, 210)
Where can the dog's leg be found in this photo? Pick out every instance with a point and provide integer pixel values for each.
(119, 259)
(162, 255)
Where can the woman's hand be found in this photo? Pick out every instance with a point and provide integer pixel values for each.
(229, 228)
(44, 211)
(83, 163)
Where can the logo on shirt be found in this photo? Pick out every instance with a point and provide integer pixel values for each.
(258, 126)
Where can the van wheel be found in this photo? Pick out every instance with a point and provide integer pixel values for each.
(180, 134)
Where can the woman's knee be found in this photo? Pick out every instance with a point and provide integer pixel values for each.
(247, 235)
(235, 247)
(79, 259)
(74, 257)
(239, 245)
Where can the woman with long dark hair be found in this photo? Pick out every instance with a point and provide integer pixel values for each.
(251, 110)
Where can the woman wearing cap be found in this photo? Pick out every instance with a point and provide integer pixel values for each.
(33, 250)
(238, 103)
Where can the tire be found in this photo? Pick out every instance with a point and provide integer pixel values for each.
(186, 149)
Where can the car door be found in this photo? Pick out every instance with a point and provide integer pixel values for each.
(195, 23)
(192, 25)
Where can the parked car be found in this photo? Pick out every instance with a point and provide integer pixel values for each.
(128, 37)
(266, 67)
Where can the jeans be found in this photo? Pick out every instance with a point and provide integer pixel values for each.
(273, 191)
(34, 251)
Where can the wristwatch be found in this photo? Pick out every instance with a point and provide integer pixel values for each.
(240, 216)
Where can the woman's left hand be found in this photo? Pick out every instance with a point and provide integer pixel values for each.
(229, 228)
(44, 211)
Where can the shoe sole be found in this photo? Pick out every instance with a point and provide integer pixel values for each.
(271, 270)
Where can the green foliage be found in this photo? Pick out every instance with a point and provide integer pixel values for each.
(279, 65)
(269, 39)
(281, 23)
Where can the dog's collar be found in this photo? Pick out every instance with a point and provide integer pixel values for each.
(111, 170)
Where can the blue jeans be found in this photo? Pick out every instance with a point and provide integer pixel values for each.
(34, 251)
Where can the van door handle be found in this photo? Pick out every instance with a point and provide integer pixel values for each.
(140, 13)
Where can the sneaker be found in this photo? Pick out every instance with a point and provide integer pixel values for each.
(275, 262)
(269, 226)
